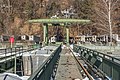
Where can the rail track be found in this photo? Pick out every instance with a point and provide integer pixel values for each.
(88, 71)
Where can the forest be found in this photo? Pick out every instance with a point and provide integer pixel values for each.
(104, 16)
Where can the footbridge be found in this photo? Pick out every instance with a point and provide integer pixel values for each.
(78, 63)
(61, 62)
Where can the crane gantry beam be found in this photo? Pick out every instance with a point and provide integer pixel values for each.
(62, 22)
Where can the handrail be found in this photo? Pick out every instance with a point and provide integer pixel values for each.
(9, 52)
(12, 57)
(105, 56)
(107, 64)
(47, 67)
(85, 71)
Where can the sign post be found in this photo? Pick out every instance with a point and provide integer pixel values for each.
(11, 41)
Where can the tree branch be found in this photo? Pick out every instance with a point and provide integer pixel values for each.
(102, 15)
(105, 4)
(114, 4)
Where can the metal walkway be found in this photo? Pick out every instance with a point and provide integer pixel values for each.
(79, 63)
(67, 68)
(11, 59)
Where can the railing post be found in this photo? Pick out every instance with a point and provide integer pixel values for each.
(15, 62)
(5, 59)
(5, 54)
(11, 53)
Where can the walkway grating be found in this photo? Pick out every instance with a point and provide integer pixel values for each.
(67, 68)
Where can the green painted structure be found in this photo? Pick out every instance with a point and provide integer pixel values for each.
(105, 64)
(61, 22)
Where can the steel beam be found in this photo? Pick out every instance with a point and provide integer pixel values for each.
(45, 33)
(62, 22)
(58, 21)
(67, 35)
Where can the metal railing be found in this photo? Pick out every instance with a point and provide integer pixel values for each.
(46, 70)
(11, 57)
(110, 66)
(8, 53)
(11, 52)
(8, 56)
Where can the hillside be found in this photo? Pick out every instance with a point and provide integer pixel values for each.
(14, 14)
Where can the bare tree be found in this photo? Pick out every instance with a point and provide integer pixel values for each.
(104, 10)
(5, 13)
